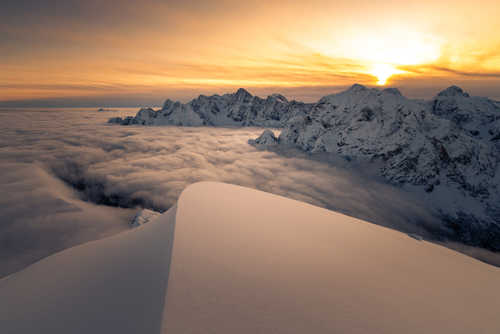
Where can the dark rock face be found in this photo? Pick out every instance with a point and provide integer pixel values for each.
(129, 120)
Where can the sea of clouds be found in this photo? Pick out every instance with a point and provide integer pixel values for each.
(68, 177)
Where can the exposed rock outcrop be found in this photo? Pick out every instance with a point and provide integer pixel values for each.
(266, 138)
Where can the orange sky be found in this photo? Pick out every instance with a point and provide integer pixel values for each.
(126, 52)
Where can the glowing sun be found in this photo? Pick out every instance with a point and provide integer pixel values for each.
(383, 72)
(383, 51)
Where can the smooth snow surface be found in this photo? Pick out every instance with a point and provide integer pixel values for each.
(114, 285)
(245, 261)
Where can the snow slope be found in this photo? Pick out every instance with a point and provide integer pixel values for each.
(237, 109)
(245, 261)
(114, 285)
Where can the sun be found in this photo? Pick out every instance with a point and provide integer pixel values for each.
(383, 72)
(381, 52)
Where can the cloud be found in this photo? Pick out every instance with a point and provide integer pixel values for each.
(71, 178)
(41, 216)
(434, 69)
(128, 52)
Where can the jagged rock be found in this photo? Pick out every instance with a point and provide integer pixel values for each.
(129, 120)
(266, 138)
(144, 216)
(115, 120)
(238, 109)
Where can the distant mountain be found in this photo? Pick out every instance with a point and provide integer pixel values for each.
(237, 109)
(143, 216)
(449, 147)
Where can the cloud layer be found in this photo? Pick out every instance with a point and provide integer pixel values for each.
(69, 178)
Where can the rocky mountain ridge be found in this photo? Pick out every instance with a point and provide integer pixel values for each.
(237, 109)
(448, 147)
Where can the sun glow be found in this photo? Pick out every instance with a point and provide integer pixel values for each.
(383, 50)
(383, 72)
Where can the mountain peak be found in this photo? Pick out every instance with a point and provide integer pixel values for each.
(278, 97)
(357, 88)
(393, 91)
(453, 91)
(242, 92)
(168, 103)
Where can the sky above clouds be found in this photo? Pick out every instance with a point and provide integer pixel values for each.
(129, 53)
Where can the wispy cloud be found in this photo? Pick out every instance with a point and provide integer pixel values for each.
(62, 49)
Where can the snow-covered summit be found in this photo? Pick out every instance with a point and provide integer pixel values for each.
(236, 109)
(278, 97)
(357, 88)
(449, 147)
(453, 91)
(242, 94)
(266, 138)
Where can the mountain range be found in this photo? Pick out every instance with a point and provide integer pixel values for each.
(238, 109)
(447, 149)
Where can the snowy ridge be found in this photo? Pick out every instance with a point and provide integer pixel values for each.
(243, 258)
(448, 147)
(112, 285)
(237, 109)
(228, 259)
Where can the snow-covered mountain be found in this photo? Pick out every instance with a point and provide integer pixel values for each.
(448, 147)
(144, 216)
(237, 109)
